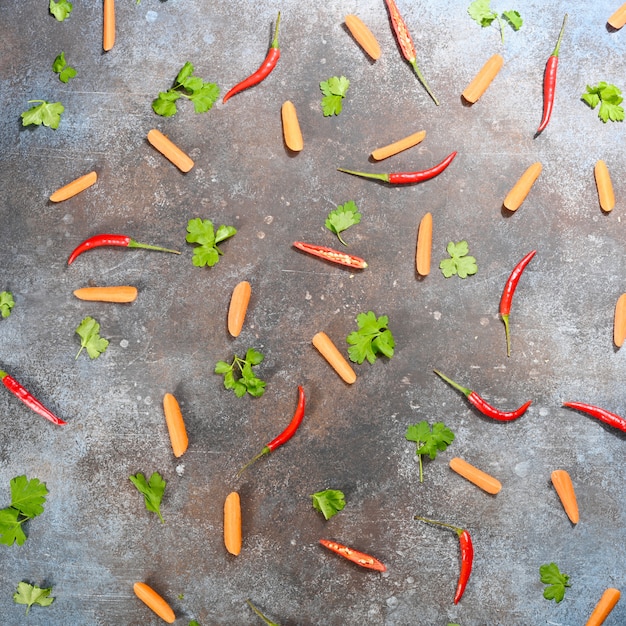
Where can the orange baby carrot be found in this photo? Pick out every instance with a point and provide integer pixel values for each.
(605, 605)
(238, 307)
(483, 79)
(363, 36)
(619, 322)
(618, 19)
(565, 490)
(108, 26)
(232, 523)
(154, 601)
(175, 425)
(336, 360)
(398, 146)
(481, 479)
(121, 293)
(606, 196)
(75, 187)
(522, 187)
(170, 150)
(291, 127)
(424, 245)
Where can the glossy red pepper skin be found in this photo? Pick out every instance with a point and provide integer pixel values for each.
(360, 558)
(273, 54)
(332, 255)
(612, 419)
(120, 241)
(28, 399)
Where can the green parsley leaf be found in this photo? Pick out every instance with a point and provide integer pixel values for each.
(482, 13)
(11, 527)
(372, 338)
(152, 491)
(46, 113)
(557, 582)
(6, 303)
(328, 502)
(247, 381)
(514, 19)
(61, 9)
(31, 594)
(459, 262)
(202, 233)
(344, 216)
(27, 500)
(193, 622)
(60, 67)
(609, 97)
(334, 90)
(429, 440)
(89, 332)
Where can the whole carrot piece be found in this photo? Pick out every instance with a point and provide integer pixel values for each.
(565, 490)
(522, 187)
(618, 19)
(424, 245)
(232, 523)
(108, 29)
(483, 79)
(154, 601)
(605, 605)
(175, 425)
(606, 195)
(363, 36)
(619, 321)
(74, 187)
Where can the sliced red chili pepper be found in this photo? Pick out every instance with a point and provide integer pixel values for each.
(264, 70)
(360, 558)
(329, 254)
(612, 419)
(28, 399)
(120, 241)
(507, 296)
(483, 406)
(404, 178)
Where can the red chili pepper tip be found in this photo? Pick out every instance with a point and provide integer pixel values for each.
(612, 419)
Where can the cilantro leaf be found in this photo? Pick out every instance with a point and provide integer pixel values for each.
(609, 97)
(201, 232)
(31, 594)
(61, 9)
(6, 303)
(514, 19)
(344, 216)
(11, 527)
(328, 502)
(152, 491)
(429, 440)
(60, 67)
(28, 496)
(247, 381)
(334, 90)
(459, 262)
(372, 338)
(89, 332)
(46, 113)
(202, 94)
(556, 581)
(482, 13)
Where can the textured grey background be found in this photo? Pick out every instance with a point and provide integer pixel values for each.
(95, 538)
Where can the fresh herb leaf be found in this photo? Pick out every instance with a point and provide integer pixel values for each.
(429, 440)
(31, 594)
(61, 68)
(459, 262)
(202, 232)
(334, 90)
(193, 622)
(514, 19)
(89, 332)
(556, 581)
(61, 9)
(11, 527)
(372, 338)
(6, 303)
(27, 500)
(46, 113)
(482, 13)
(152, 491)
(238, 374)
(609, 97)
(344, 216)
(328, 502)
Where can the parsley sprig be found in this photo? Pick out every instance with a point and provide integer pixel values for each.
(6, 303)
(482, 13)
(328, 502)
(556, 581)
(61, 9)
(46, 113)
(239, 376)
(334, 90)
(371, 339)
(60, 67)
(89, 332)
(460, 262)
(344, 216)
(27, 500)
(32, 594)
(609, 97)
(429, 440)
(203, 233)
(152, 491)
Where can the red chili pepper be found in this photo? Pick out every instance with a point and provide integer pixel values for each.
(483, 406)
(329, 254)
(273, 54)
(286, 435)
(28, 399)
(549, 81)
(360, 558)
(403, 178)
(121, 241)
(507, 295)
(467, 554)
(406, 44)
(612, 419)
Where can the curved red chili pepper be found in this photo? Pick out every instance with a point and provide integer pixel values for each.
(483, 406)
(286, 435)
(403, 178)
(507, 296)
(549, 81)
(612, 419)
(120, 241)
(360, 558)
(329, 254)
(264, 71)
(28, 399)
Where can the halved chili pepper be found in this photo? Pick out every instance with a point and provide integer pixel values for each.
(612, 419)
(403, 178)
(28, 399)
(120, 241)
(483, 406)
(273, 54)
(467, 554)
(360, 558)
(329, 254)
(286, 435)
(507, 296)
(549, 81)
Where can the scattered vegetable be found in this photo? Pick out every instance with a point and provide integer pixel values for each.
(32, 594)
(60, 67)
(459, 263)
(429, 440)
(522, 187)
(329, 254)
(363, 36)
(46, 113)
(291, 127)
(247, 381)
(328, 502)
(75, 187)
(335, 359)
(601, 414)
(6, 303)
(398, 146)
(618, 19)
(556, 581)
(201, 232)
(232, 523)
(609, 97)
(27, 500)
(152, 491)
(619, 322)
(61, 9)
(372, 339)
(483, 79)
(424, 247)
(89, 332)
(257, 612)
(480, 11)
(121, 293)
(238, 307)
(605, 605)
(175, 425)
(341, 218)
(108, 25)
(360, 558)
(170, 150)
(606, 196)
(334, 90)
(565, 490)
(481, 479)
(154, 602)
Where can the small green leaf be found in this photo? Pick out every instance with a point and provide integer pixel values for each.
(371, 339)
(31, 594)
(152, 491)
(458, 263)
(46, 113)
(89, 332)
(334, 90)
(201, 93)
(344, 216)
(201, 232)
(328, 502)
(61, 9)
(6, 303)
(609, 97)
(557, 582)
(514, 19)
(244, 380)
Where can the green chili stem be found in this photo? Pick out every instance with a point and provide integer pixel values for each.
(422, 80)
(463, 390)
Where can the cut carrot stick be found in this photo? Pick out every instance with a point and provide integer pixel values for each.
(619, 323)
(291, 127)
(118, 293)
(398, 146)
(232, 523)
(336, 360)
(170, 150)
(238, 307)
(483, 79)
(522, 187)
(565, 490)
(605, 605)
(481, 479)
(154, 601)
(108, 26)
(606, 196)
(618, 19)
(363, 36)
(175, 425)
(424, 245)
(75, 187)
